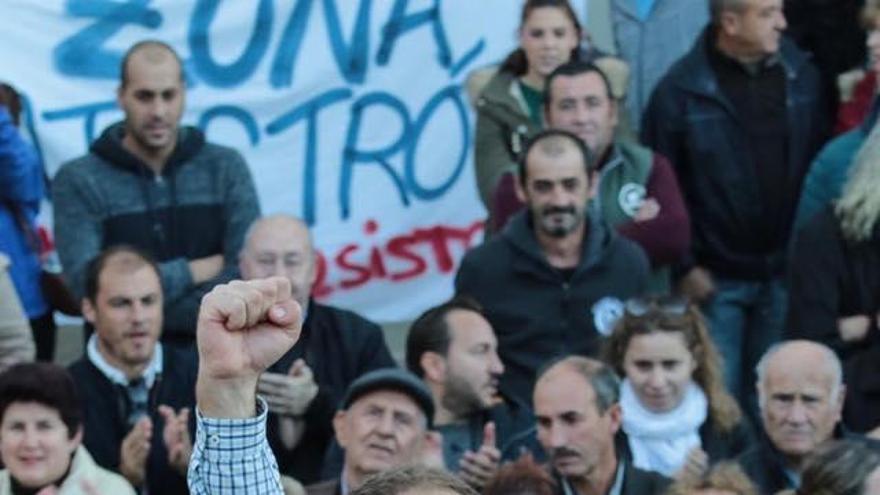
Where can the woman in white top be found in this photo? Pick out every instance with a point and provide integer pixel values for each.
(677, 415)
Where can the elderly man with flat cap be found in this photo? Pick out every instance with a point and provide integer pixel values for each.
(383, 423)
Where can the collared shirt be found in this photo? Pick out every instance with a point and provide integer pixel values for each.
(616, 488)
(232, 456)
(153, 370)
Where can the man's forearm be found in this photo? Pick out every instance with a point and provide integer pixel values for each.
(226, 398)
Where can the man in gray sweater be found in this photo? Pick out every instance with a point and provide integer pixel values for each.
(154, 184)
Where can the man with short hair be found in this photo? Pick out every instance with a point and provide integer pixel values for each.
(305, 386)
(136, 393)
(801, 393)
(638, 192)
(151, 183)
(453, 348)
(383, 423)
(553, 281)
(577, 405)
(739, 117)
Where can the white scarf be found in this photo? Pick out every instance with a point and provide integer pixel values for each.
(661, 441)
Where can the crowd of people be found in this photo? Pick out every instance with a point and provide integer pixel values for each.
(678, 292)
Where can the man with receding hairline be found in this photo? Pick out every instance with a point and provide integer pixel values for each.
(552, 282)
(137, 394)
(154, 184)
(577, 406)
(800, 394)
(304, 387)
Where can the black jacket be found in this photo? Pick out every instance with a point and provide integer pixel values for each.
(832, 278)
(690, 121)
(338, 346)
(104, 417)
(764, 465)
(726, 445)
(635, 482)
(536, 313)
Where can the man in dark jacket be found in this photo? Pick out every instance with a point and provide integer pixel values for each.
(137, 395)
(552, 282)
(151, 183)
(740, 117)
(304, 387)
(801, 392)
(577, 405)
(453, 349)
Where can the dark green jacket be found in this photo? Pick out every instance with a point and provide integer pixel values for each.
(503, 127)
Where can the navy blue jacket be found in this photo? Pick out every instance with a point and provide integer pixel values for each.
(104, 416)
(537, 313)
(690, 121)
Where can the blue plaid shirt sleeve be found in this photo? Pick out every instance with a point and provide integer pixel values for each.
(232, 456)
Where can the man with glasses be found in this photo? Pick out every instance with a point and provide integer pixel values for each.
(336, 346)
(552, 282)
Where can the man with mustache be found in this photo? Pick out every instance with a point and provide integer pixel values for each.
(383, 423)
(577, 407)
(137, 394)
(552, 281)
(801, 396)
(154, 184)
(453, 349)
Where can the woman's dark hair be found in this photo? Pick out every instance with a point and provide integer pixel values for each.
(44, 383)
(516, 62)
(522, 477)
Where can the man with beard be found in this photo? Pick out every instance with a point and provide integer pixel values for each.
(454, 350)
(577, 405)
(304, 387)
(137, 394)
(155, 184)
(552, 282)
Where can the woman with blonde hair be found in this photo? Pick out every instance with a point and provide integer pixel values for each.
(726, 478)
(834, 285)
(678, 417)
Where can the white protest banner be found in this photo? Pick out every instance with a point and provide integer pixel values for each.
(350, 114)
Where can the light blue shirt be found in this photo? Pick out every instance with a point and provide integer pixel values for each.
(643, 8)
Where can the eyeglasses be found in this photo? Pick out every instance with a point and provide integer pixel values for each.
(669, 305)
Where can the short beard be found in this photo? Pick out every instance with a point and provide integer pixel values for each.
(460, 398)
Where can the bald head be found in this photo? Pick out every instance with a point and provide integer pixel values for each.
(801, 357)
(149, 53)
(280, 245)
(800, 392)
